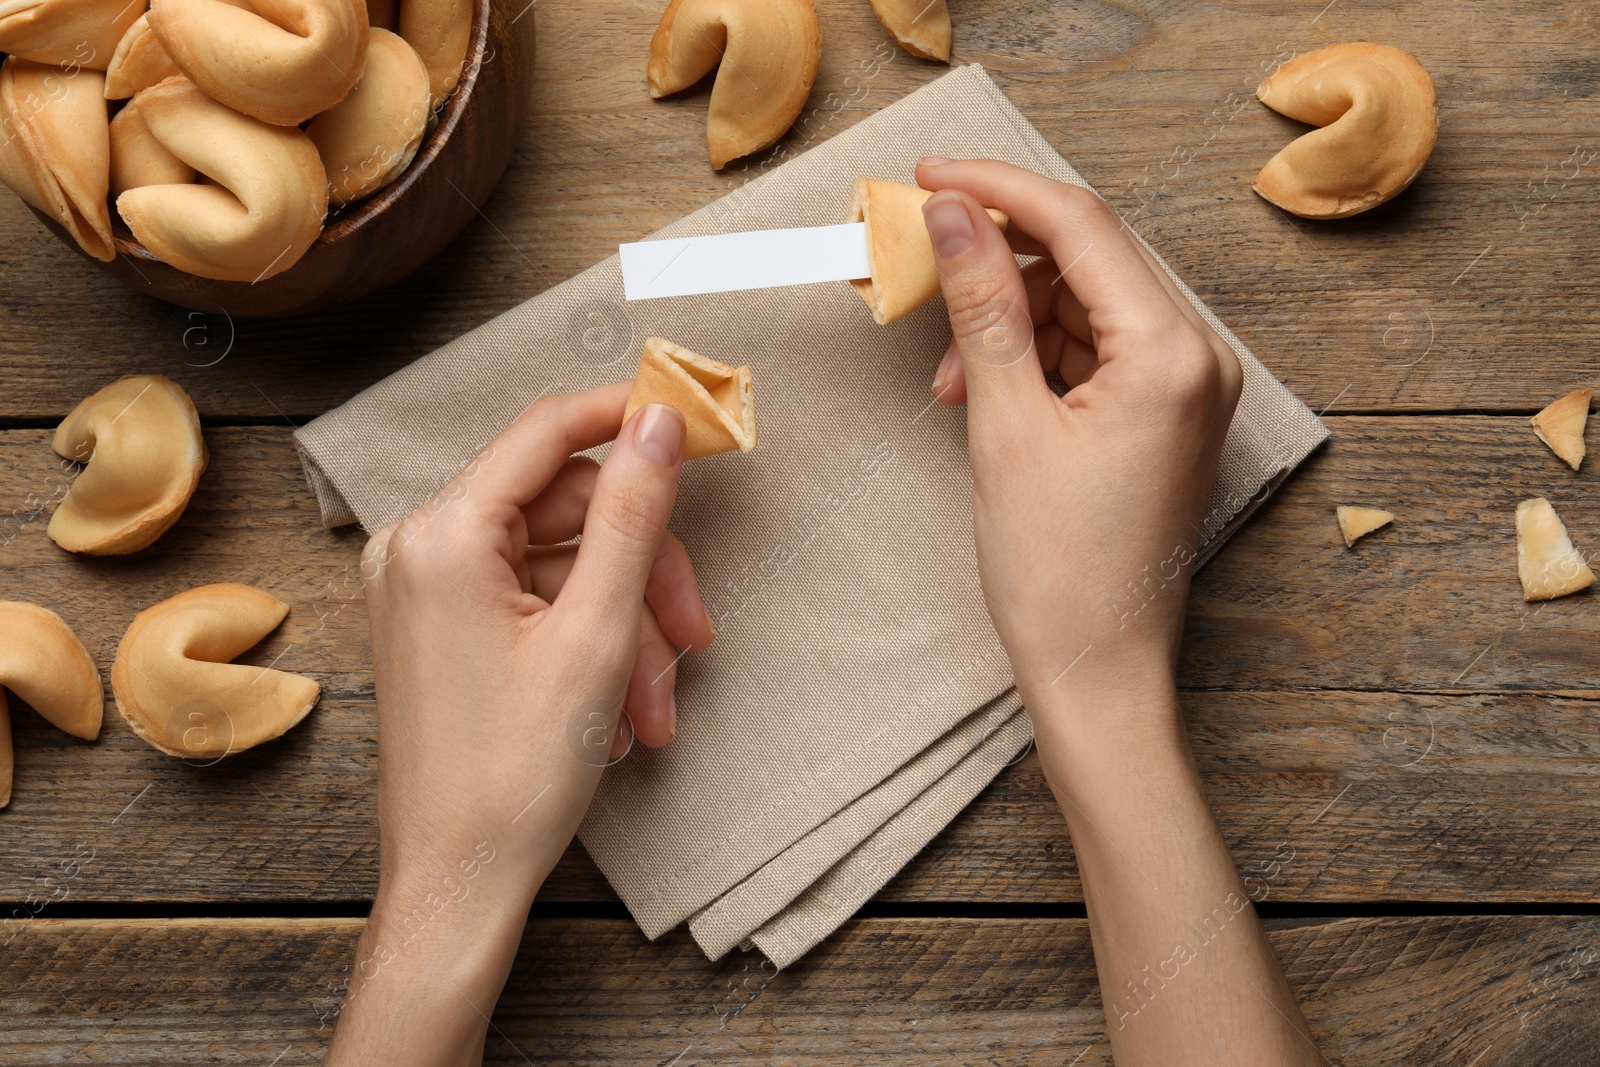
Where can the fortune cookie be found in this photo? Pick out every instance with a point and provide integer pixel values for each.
(1356, 522)
(55, 148)
(899, 250)
(1378, 117)
(138, 63)
(140, 437)
(137, 158)
(66, 33)
(1547, 563)
(717, 402)
(768, 51)
(1561, 425)
(265, 207)
(43, 662)
(176, 685)
(440, 31)
(370, 136)
(281, 61)
(921, 26)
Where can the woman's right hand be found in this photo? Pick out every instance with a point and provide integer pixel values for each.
(1089, 511)
(1088, 508)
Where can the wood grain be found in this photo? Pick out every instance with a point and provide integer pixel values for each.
(1478, 290)
(1384, 724)
(1492, 992)
(1470, 778)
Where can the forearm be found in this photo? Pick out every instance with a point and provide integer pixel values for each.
(427, 972)
(1185, 970)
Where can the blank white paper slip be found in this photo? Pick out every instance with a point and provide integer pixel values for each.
(758, 259)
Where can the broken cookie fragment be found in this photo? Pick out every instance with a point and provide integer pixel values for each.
(1561, 425)
(1547, 562)
(1356, 522)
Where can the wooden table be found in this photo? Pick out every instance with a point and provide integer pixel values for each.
(1404, 751)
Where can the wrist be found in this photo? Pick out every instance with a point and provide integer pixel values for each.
(427, 973)
(467, 918)
(1103, 685)
(1124, 712)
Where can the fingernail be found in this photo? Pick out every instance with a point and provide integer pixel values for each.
(935, 161)
(941, 377)
(658, 435)
(622, 742)
(672, 716)
(948, 224)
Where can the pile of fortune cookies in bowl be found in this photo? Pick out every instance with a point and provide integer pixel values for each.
(221, 132)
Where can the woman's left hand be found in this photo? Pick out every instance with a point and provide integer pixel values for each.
(510, 667)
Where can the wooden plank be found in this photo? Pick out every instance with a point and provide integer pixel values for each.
(1477, 291)
(1475, 786)
(1493, 992)
(1431, 603)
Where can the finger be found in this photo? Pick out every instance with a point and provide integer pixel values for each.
(1228, 360)
(1086, 238)
(1050, 298)
(519, 464)
(1047, 342)
(556, 515)
(1025, 244)
(673, 593)
(622, 740)
(627, 521)
(1048, 302)
(1075, 361)
(651, 704)
(988, 305)
(548, 567)
(950, 381)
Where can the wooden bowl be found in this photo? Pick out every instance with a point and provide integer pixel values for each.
(376, 242)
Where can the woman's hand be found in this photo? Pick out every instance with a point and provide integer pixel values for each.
(1089, 507)
(1089, 511)
(507, 673)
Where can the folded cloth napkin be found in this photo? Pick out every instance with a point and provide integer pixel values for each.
(856, 697)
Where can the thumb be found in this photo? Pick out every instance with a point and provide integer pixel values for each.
(987, 301)
(627, 519)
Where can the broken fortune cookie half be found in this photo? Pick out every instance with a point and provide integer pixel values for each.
(1378, 115)
(177, 687)
(1561, 425)
(1547, 563)
(717, 402)
(899, 250)
(43, 662)
(140, 437)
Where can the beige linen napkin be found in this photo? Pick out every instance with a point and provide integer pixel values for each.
(856, 697)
